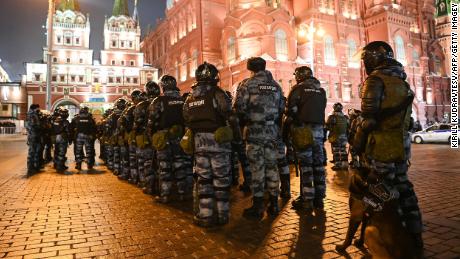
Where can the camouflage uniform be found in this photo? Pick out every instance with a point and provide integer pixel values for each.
(337, 124)
(83, 128)
(260, 104)
(62, 133)
(144, 151)
(380, 116)
(113, 149)
(306, 104)
(127, 122)
(33, 140)
(173, 164)
(46, 138)
(206, 109)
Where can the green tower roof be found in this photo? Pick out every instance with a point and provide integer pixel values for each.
(120, 7)
(69, 5)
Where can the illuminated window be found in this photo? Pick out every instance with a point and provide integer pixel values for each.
(194, 63)
(54, 60)
(37, 77)
(81, 78)
(329, 51)
(400, 50)
(415, 58)
(110, 80)
(281, 45)
(77, 41)
(54, 78)
(351, 52)
(118, 80)
(113, 62)
(231, 50)
(62, 78)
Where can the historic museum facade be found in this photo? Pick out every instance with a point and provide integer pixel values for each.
(78, 79)
(324, 34)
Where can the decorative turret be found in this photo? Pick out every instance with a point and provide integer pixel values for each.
(69, 5)
(120, 7)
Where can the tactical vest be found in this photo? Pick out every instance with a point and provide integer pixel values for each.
(172, 112)
(203, 115)
(396, 94)
(85, 125)
(340, 125)
(140, 115)
(312, 105)
(129, 118)
(262, 107)
(58, 126)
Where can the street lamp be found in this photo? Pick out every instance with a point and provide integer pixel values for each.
(51, 4)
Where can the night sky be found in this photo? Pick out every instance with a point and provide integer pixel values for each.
(22, 37)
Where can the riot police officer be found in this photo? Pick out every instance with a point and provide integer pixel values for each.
(337, 125)
(61, 132)
(144, 151)
(305, 115)
(260, 104)
(168, 124)
(383, 135)
(83, 128)
(116, 139)
(126, 123)
(33, 139)
(206, 112)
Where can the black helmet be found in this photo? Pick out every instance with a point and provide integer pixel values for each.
(34, 106)
(120, 104)
(256, 64)
(152, 89)
(338, 107)
(84, 110)
(375, 53)
(208, 73)
(107, 113)
(64, 113)
(168, 82)
(143, 96)
(302, 73)
(135, 95)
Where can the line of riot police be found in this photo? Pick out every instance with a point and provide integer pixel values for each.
(154, 139)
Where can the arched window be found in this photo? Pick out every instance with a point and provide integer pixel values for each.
(329, 51)
(231, 50)
(183, 68)
(415, 58)
(281, 45)
(437, 65)
(194, 63)
(176, 67)
(351, 52)
(400, 50)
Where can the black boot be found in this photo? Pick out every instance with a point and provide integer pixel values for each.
(78, 166)
(273, 208)
(285, 186)
(257, 209)
(300, 204)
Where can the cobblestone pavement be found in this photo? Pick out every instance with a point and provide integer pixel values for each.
(96, 215)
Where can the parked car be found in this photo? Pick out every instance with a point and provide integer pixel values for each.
(439, 133)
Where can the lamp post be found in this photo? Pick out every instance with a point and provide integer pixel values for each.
(49, 53)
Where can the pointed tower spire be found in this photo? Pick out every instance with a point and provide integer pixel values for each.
(120, 7)
(73, 5)
(136, 13)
